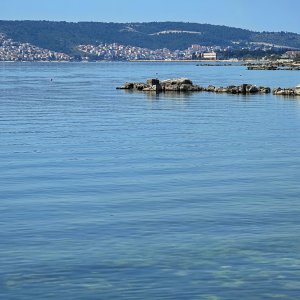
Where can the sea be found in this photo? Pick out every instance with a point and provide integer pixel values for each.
(110, 194)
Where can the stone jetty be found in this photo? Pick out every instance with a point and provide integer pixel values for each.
(186, 85)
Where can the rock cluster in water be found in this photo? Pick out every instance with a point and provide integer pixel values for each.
(169, 85)
(287, 91)
(273, 66)
(239, 89)
(186, 85)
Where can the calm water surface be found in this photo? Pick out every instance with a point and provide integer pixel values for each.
(107, 194)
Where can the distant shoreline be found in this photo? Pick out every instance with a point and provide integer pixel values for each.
(134, 61)
(189, 60)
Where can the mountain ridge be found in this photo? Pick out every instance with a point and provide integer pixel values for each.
(65, 36)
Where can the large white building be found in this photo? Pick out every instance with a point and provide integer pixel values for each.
(209, 55)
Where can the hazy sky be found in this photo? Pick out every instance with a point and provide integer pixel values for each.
(269, 15)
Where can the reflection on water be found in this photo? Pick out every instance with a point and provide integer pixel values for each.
(173, 96)
(112, 194)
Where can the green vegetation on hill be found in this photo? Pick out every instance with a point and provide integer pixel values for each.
(65, 36)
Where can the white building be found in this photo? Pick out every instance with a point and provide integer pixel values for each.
(209, 55)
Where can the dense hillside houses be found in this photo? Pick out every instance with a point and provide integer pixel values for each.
(11, 50)
(116, 51)
(15, 51)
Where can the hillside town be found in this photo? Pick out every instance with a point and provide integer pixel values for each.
(11, 50)
(16, 51)
(116, 51)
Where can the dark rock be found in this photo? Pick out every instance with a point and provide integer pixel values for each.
(152, 81)
(232, 89)
(243, 88)
(140, 86)
(196, 88)
(210, 88)
(252, 89)
(185, 81)
(264, 90)
(127, 86)
(262, 67)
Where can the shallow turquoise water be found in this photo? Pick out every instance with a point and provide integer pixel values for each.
(107, 194)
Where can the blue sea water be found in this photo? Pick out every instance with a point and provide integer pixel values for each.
(107, 194)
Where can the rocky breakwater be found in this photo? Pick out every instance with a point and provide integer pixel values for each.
(169, 85)
(287, 91)
(186, 85)
(239, 89)
(273, 66)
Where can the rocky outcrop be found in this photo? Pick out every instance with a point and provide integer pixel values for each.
(273, 66)
(169, 85)
(239, 89)
(262, 67)
(185, 85)
(287, 91)
(139, 86)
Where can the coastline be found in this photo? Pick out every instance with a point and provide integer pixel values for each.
(133, 61)
(188, 60)
(207, 62)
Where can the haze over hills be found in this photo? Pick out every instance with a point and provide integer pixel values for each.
(66, 36)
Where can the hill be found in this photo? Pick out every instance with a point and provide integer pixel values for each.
(66, 36)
